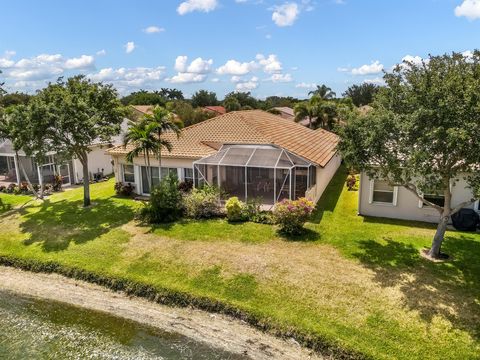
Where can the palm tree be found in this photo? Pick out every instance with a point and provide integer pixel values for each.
(142, 136)
(163, 121)
(323, 92)
(308, 109)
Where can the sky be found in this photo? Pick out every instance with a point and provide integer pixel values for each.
(268, 47)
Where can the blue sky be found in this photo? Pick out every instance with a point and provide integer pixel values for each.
(268, 47)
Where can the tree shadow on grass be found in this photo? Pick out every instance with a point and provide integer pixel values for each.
(56, 224)
(450, 289)
(306, 235)
(330, 196)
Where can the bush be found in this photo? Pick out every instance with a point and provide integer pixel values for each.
(291, 215)
(57, 183)
(12, 188)
(351, 182)
(203, 203)
(185, 186)
(3, 188)
(235, 210)
(124, 189)
(165, 203)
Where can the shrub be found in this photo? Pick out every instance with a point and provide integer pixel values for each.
(291, 215)
(124, 189)
(351, 182)
(23, 188)
(12, 188)
(203, 203)
(185, 186)
(236, 210)
(165, 203)
(3, 188)
(57, 183)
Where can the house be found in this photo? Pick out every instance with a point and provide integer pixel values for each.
(249, 154)
(99, 164)
(289, 114)
(378, 199)
(215, 110)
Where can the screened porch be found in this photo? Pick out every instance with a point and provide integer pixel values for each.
(263, 172)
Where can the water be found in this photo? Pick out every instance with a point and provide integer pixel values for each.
(39, 329)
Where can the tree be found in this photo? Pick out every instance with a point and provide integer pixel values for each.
(323, 92)
(243, 98)
(144, 97)
(72, 115)
(164, 121)
(204, 98)
(232, 104)
(423, 133)
(362, 94)
(142, 137)
(171, 94)
(309, 109)
(16, 98)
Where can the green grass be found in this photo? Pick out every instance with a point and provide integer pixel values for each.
(358, 282)
(10, 201)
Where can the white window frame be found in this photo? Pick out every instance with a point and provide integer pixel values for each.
(133, 173)
(183, 177)
(370, 200)
(422, 205)
(477, 205)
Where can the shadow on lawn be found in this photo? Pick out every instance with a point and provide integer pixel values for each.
(56, 224)
(450, 289)
(330, 196)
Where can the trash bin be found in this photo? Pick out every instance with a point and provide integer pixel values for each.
(466, 220)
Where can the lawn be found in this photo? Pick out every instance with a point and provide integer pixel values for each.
(10, 201)
(357, 282)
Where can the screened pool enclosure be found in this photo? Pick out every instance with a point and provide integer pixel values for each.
(264, 172)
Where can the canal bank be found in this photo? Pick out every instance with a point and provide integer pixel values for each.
(217, 331)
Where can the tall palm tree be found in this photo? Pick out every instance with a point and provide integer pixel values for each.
(323, 92)
(142, 136)
(163, 121)
(308, 109)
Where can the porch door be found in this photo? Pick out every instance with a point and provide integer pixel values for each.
(64, 171)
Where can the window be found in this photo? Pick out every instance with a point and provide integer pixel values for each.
(313, 176)
(187, 174)
(382, 193)
(166, 170)
(128, 174)
(436, 199)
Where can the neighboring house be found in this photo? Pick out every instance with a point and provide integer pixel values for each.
(99, 164)
(216, 110)
(378, 199)
(289, 114)
(142, 110)
(249, 154)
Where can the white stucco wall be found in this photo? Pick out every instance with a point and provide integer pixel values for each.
(324, 176)
(407, 206)
(97, 160)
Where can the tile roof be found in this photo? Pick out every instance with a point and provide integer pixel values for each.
(249, 127)
(144, 109)
(217, 109)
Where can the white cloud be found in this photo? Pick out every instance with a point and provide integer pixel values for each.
(279, 78)
(153, 30)
(270, 64)
(190, 73)
(286, 14)
(376, 81)
(101, 52)
(130, 79)
(234, 67)
(469, 9)
(235, 79)
(247, 85)
(343, 69)
(215, 80)
(197, 5)
(83, 62)
(304, 85)
(129, 47)
(268, 36)
(374, 68)
(186, 78)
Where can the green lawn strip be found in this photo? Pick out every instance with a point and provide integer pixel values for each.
(59, 231)
(11, 201)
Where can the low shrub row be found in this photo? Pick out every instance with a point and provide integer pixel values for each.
(24, 188)
(171, 297)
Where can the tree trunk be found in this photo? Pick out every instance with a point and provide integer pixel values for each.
(149, 171)
(434, 251)
(309, 121)
(86, 180)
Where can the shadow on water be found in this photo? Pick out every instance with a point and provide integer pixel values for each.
(56, 224)
(450, 289)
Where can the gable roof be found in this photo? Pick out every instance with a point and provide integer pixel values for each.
(249, 127)
(144, 109)
(216, 109)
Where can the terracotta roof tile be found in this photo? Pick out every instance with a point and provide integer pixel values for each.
(249, 127)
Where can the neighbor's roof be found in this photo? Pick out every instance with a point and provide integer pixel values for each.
(249, 127)
(286, 110)
(144, 109)
(218, 109)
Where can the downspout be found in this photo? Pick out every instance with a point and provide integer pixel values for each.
(360, 188)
